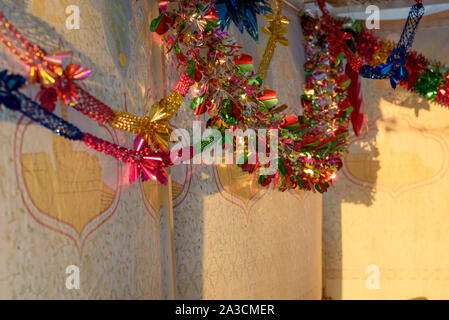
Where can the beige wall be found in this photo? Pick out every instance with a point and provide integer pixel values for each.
(236, 240)
(390, 206)
(63, 204)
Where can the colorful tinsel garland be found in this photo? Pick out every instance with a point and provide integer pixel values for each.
(310, 146)
(62, 83)
(143, 160)
(394, 67)
(427, 78)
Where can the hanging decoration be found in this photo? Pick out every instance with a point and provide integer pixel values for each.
(425, 77)
(151, 163)
(228, 92)
(154, 128)
(310, 146)
(277, 31)
(223, 76)
(243, 13)
(337, 37)
(59, 83)
(394, 68)
(339, 40)
(355, 98)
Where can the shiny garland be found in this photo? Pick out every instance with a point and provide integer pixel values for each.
(62, 83)
(311, 145)
(277, 31)
(394, 67)
(426, 77)
(144, 162)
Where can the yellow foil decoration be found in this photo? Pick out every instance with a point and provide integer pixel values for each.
(277, 31)
(154, 128)
(381, 55)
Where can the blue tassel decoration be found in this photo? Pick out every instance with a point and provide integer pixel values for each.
(243, 13)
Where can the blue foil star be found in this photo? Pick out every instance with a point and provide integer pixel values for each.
(394, 69)
(242, 13)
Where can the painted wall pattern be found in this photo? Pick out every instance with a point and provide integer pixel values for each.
(390, 206)
(61, 204)
(234, 239)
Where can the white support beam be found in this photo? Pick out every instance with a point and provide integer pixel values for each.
(391, 10)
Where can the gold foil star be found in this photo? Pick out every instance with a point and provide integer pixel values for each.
(153, 129)
(277, 31)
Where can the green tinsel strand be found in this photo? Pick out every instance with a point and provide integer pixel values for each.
(428, 83)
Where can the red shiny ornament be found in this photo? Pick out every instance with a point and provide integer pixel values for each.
(181, 58)
(150, 168)
(337, 38)
(289, 120)
(163, 5)
(47, 98)
(62, 85)
(163, 25)
(267, 94)
(442, 96)
(243, 59)
(236, 110)
(354, 97)
(198, 74)
(202, 108)
(309, 65)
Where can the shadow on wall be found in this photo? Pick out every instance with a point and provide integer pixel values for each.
(362, 162)
(409, 160)
(230, 265)
(361, 175)
(189, 231)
